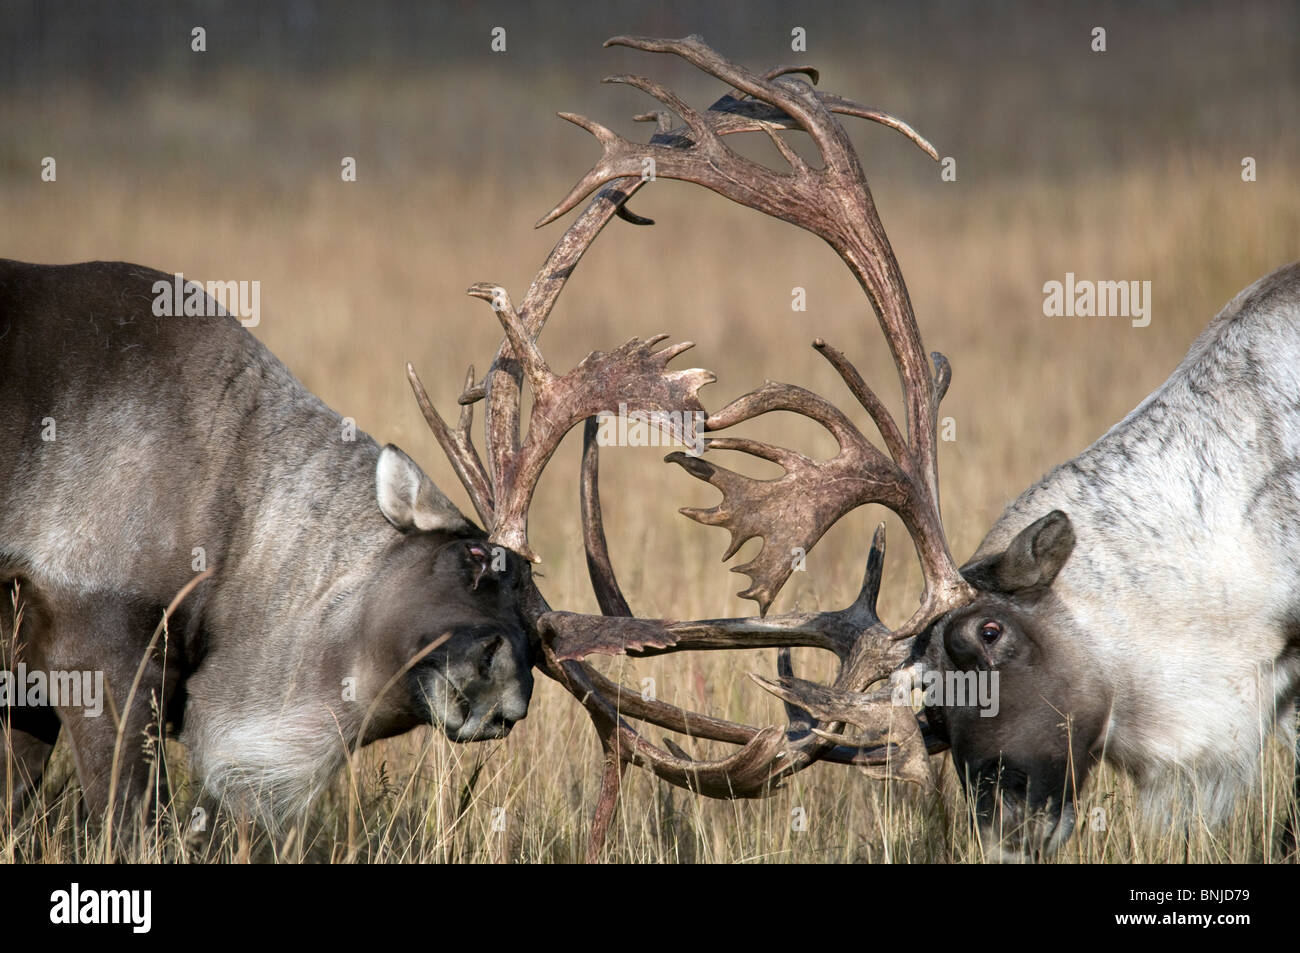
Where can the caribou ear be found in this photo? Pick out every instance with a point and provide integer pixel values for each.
(1032, 560)
(408, 499)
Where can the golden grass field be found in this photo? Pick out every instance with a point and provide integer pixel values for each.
(359, 278)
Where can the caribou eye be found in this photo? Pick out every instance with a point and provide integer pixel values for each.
(990, 632)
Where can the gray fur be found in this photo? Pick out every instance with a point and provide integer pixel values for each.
(177, 433)
(1172, 626)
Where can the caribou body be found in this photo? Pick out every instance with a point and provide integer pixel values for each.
(348, 599)
(1141, 603)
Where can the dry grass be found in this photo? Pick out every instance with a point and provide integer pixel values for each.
(356, 279)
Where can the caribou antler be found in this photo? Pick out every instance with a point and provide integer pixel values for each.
(792, 511)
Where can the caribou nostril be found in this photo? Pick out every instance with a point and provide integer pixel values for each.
(486, 654)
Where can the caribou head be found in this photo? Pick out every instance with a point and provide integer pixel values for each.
(1023, 759)
(466, 657)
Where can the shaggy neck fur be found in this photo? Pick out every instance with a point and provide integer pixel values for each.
(1183, 590)
(272, 749)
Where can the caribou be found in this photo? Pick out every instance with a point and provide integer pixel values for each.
(331, 594)
(1136, 606)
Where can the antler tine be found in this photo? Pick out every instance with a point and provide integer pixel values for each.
(522, 343)
(813, 74)
(704, 134)
(889, 432)
(694, 50)
(609, 596)
(458, 445)
(846, 107)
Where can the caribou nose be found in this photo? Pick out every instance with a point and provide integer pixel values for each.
(485, 651)
(486, 725)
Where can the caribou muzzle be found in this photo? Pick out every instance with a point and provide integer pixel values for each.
(478, 683)
(1020, 812)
